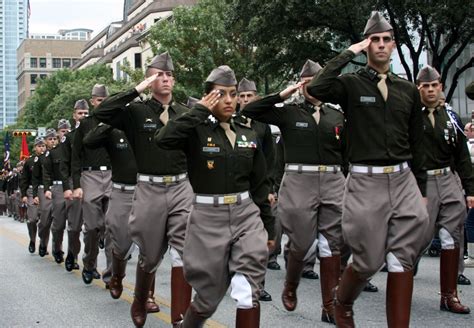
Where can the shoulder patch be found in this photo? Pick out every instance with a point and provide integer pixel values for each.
(279, 105)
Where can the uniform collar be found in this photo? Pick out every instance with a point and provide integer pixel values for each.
(312, 108)
(373, 74)
(156, 105)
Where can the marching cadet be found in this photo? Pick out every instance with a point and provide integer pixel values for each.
(310, 197)
(446, 152)
(246, 93)
(54, 191)
(26, 190)
(3, 198)
(73, 205)
(163, 195)
(124, 179)
(384, 215)
(39, 197)
(226, 243)
(91, 178)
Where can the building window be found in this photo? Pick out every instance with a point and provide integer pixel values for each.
(33, 78)
(66, 62)
(42, 62)
(33, 62)
(117, 71)
(75, 61)
(43, 76)
(138, 60)
(56, 62)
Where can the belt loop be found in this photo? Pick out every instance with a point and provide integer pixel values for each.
(239, 199)
(216, 201)
(369, 171)
(122, 188)
(300, 168)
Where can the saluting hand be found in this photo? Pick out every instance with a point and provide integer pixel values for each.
(357, 48)
(48, 194)
(142, 86)
(210, 100)
(36, 200)
(470, 201)
(285, 94)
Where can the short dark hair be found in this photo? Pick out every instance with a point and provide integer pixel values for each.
(208, 87)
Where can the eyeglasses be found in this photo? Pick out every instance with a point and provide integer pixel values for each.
(386, 39)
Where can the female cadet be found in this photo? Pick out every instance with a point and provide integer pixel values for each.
(226, 243)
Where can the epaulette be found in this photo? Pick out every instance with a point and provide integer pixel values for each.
(243, 122)
(334, 107)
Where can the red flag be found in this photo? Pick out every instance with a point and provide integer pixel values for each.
(24, 153)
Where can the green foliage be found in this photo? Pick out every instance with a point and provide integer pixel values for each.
(198, 40)
(54, 98)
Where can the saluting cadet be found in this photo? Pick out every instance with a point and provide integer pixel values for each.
(45, 204)
(247, 92)
(73, 205)
(163, 195)
(124, 179)
(384, 217)
(226, 243)
(54, 191)
(446, 152)
(26, 190)
(91, 178)
(310, 198)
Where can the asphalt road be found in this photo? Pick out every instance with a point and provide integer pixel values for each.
(37, 292)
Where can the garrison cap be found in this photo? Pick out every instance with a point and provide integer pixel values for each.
(191, 102)
(163, 62)
(427, 74)
(64, 124)
(50, 133)
(470, 90)
(100, 90)
(222, 75)
(377, 24)
(39, 141)
(81, 104)
(310, 68)
(246, 85)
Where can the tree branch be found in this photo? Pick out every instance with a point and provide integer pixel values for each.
(456, 77)
(454, 57)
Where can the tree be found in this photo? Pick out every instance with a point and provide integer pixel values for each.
(443, 28)
(55, 96)
(198, 41)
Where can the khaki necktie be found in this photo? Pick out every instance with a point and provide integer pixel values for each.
(382, 86)
(317, 114)
(229, 133)
(165, 116)
(431, 116)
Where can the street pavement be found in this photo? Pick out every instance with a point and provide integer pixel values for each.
(37, 292)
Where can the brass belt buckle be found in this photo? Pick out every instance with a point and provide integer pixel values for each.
(323, 168)
(230, 199)
(388, 169)
(167, 179)
(437, 172)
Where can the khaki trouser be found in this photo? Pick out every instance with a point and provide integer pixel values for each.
(225, 245)
(32, 214)
(446, 209)
(384, 220)
(158, 219)
(59, 217)
(310, 209)
(46, 218)
(96, 186)
(74, 225)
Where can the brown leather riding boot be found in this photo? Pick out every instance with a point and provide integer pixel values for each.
(118, 273)
(329, 275)
(151, 305)
(398, 301)
(248, 318)
(350, 286)
(142, 287)
(293, 275)
(192, 319)
(449, 261)
(180, 295)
